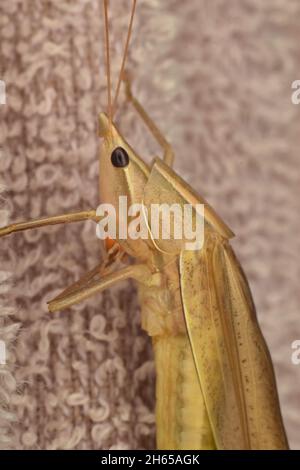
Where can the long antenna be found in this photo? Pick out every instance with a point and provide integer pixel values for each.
(124, 56)
(108, 74)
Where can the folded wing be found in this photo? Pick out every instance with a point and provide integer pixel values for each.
(231, 357)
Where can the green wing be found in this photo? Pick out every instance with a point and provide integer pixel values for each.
(233, 363)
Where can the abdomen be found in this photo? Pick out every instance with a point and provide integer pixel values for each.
(181, 417)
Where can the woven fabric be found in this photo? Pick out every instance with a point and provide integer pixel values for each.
(216, 77)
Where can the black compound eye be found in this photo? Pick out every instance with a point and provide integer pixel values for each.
(120, 158)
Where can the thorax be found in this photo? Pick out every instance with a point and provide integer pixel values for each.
(161, 304)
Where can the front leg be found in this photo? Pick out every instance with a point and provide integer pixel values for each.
(82, 291)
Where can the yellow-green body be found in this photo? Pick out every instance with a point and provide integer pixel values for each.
(182, 409)
(181, 417)
(215, 386)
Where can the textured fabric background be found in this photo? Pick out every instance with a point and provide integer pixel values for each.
(216, 76)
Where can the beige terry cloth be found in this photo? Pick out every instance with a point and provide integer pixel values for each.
(216, 77)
